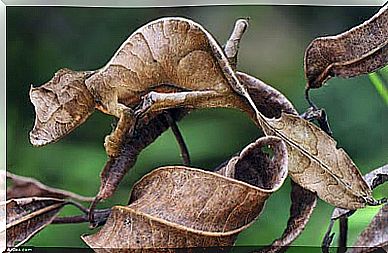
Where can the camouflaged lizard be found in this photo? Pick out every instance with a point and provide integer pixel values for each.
(167, 63)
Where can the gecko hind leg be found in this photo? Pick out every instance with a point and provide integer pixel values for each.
(127, 122)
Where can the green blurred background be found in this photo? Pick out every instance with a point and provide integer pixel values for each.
(41, 40)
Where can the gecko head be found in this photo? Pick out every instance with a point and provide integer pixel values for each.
(61, 104)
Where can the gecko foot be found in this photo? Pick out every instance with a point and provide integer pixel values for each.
(145, 106)
(319, 115)
(112, 145)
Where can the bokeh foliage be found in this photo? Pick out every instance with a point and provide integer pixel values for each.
(41, 40)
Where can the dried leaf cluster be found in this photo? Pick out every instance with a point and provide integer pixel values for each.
(164, 70)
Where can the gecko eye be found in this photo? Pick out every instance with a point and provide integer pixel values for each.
(62, 104)
(98, 101)
(89, 74)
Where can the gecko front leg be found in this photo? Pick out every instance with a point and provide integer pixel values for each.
(126, 123)
(155, 101)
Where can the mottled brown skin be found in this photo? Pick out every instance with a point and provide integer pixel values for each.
(61, 105)
(168, 63)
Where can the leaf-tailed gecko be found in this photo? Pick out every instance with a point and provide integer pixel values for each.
(167, 63)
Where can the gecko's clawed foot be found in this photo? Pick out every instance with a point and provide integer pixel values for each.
(313, 113)
(112, 145)
(374, 202)
(145, 106)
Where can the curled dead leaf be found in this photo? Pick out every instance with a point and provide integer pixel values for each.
(269, 101)
(373, 179)
(257, 168)
(272, 103)
(23, 187)
(302, 205)
(362, 49)
(27, 216)
(375, 235)
(181, 207)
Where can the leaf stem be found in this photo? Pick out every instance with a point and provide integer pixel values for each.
(328, 238)
(79, 206)
(307, 97)
(178, 136)
(100, 217)
(343, 234)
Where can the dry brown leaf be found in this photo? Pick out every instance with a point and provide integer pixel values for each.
(362, 49)
(257, 168)
(317, 165)
(181, 207)
(23, 187)
(373, 178)
(27, 216)
(272, 103)
(375, 235)
(269, 101)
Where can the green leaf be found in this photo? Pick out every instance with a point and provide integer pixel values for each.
(379, 82)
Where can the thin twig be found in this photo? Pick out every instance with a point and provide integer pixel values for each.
(91, 213)
(328, 238)
(343, 234)
(307, 97)
(100, 218)
(178, 136)
(70, 220)
(79, 206)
